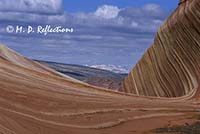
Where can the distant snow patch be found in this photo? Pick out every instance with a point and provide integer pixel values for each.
(113, 68)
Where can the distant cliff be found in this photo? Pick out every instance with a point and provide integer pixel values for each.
(171, 66)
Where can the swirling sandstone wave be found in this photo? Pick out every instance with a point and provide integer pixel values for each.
(33, 100)
(37, 100)
(171, 66)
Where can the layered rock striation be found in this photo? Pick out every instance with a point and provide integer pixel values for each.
(36, 99)
(171, 66)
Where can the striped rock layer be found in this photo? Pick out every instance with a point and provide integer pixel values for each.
(171, 66)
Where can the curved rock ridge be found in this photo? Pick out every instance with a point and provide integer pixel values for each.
(8, 55)
(37, 100)
(12, 57)
(33, 101)
(171, 66)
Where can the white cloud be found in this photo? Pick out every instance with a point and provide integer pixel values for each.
(105, 16)
(107, 11)
(152, 7)
(147, 11)
(158, 22)
(32, 6)
(153, 10)
(90, 37)
(101, 35)
(134, 24)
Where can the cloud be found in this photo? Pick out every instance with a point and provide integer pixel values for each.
(32, 6)
(107, 11)
(152, 11)
(152, 8)
(108, 36)
(141, 19)
(146, 18)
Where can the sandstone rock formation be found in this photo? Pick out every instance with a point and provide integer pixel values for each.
(35, 99)
(171, 66)
(108, 83)
(11, 56)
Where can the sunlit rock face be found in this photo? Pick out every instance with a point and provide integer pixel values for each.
(35, 99)
(171, 66)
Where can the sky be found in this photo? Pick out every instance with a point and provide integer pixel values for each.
(112, 34)
(92, 5)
